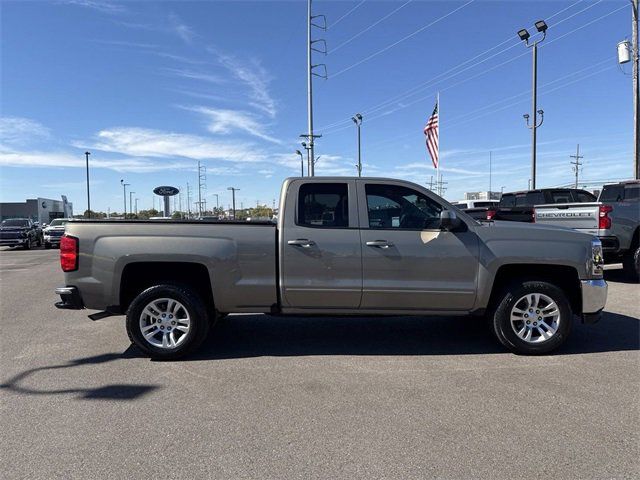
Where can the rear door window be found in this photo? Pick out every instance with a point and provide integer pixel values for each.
(323, 205)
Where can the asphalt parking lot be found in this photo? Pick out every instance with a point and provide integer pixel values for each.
(311, 397)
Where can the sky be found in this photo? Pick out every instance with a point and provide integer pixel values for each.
(151, 88)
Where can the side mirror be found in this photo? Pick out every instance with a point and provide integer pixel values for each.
(449, 220)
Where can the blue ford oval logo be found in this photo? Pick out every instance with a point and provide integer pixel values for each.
(166, 191)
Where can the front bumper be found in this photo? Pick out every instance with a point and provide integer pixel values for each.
(6, 242)
(52, 240)
(70, 298)
(594, 298)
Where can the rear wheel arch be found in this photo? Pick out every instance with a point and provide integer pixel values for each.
(136, 277)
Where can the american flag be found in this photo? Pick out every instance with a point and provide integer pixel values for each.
(431, 131)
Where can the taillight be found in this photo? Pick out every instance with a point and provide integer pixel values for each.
(68, 253)
(491, 214)
(604, 221)
(533, 216)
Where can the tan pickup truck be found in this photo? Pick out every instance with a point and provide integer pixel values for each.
(341, 246)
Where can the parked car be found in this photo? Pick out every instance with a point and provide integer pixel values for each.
(342, 246)
(518, 206)
(19, 232)
(614, 218)
(53, 232)
(476, 208)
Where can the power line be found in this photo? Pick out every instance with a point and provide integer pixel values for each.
(463, 119)
(346, 42)
(466, 79)
(346, 14)
(388, 47)
(432, 81)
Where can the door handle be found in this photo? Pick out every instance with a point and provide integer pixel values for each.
(379, 244)
(301, 242)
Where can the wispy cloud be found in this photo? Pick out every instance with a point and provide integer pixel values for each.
(181, 29)
(145, 142)
(125, 44)
(195, 75)
(22, 159)
(224, 121)
(253, 75)
(99, 5)
(19, 130)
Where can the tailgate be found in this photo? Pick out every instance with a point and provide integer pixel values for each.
(581, 216)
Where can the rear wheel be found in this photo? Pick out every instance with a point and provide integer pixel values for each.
(631, 264)
(167, 321)
(532, 317)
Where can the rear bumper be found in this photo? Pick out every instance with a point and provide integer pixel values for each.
(70, 298)
(594, 298)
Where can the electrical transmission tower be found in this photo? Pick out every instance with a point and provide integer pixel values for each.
(440, 186)
(202, 185)
(188, 200)
(312, 46)
(577, 164)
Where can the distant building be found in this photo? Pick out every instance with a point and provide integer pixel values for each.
(482, 195)
(41, 210)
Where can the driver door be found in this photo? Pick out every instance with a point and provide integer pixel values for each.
(408, 262)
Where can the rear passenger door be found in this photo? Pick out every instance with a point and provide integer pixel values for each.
(321, 254)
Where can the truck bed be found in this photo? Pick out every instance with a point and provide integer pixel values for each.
(240, 256)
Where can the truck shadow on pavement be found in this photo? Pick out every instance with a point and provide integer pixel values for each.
(246, 336)
(106, 392)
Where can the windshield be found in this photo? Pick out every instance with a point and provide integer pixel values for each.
(15, 223)
(57, 222)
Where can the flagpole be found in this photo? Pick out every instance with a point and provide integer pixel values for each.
(438, 179)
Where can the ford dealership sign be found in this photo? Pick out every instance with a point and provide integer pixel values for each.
(166, 191)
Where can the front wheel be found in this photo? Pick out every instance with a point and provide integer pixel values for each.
(27, 244)
(167, 321)
(532, 317)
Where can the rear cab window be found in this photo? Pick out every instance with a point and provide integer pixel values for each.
(507, 200)
(612, 193)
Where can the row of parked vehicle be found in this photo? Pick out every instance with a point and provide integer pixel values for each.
(25, 233)
(614, 216)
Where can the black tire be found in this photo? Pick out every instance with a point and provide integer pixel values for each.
(47, 245)
(501, 318)
(196, 308)
(631, 265)
(27, 245)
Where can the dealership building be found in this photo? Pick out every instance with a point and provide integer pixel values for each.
(41, 210)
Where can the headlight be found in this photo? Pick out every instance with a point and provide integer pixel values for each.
(597, 258)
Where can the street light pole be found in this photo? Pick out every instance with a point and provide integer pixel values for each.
(233, 199)
(131, 201)
(137, 207)
(636, 95)
(524, 35)
(301, 163)
(124, 196)
(86, 154)
(357, 119)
